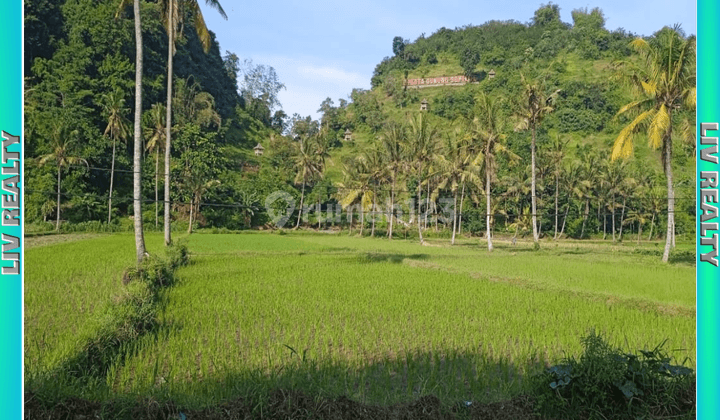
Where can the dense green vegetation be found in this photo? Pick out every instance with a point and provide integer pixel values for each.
(79, 65)
(379, 322)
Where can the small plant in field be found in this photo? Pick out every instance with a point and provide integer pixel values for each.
(606, 383)
(177, 254)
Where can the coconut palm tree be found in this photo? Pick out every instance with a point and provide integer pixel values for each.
(421, 147)
(155, 136)
(664, 82)
(374, 162)
(517, 190)
(113, 105)
(487, 128)
(613, 177)
(556, 155)
(572, 176)
(639, 218)
(137, 136)
(173, 12)
(356, 189)
(308, 166)
(536, 103)
(456, 167)
(393, 138)
(63, 154)
(587, 182)
(628, 187)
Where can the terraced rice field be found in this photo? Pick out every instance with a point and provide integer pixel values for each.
(379, 321)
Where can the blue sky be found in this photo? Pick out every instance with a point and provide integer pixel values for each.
(323, 49)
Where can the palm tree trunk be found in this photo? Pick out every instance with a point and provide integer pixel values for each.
(670, 236)
(362, 219)
(613, 217)
(454, 219)
(540, 226)
(534, 198)
(168, 121)
(157, 167)
(137, 168)
(191, 216)
(427, 204)
(57, 224)
(302, 200)
(392, 205)
(673, 229)
(422, 241)
(350, 217)
(557, 194)
(462, 198)
(639, 232)
(372, 232)
(564, 220)
(604, 222)
(487, 208)
(652, 224)
(112, 174)
(585, 217)
(622, 217)
(319, 213)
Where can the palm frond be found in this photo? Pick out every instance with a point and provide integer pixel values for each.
(630, 106)
(640, 45)
(691, 98)
(658, 127)
(623, 146)
(649, 87)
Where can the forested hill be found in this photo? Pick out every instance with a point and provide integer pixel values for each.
(588, 66)
(80, 63)
(78, 53)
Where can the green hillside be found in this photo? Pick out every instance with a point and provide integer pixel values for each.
(588, 65)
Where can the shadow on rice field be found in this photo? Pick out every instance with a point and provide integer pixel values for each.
(413, 385)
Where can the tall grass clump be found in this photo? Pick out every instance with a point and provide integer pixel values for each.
(607, 383)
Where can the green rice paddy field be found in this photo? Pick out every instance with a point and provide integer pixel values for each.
(378, 321)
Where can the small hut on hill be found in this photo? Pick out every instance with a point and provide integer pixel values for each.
(259, 150)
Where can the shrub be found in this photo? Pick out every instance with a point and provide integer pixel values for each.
(608, 383)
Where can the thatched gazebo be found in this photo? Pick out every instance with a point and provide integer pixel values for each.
(259, 150)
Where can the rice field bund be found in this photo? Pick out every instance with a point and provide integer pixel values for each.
(378, 321)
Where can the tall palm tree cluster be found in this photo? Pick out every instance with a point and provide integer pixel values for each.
(434, 171)
(173, 11)
(439, 171)
(422, 178)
